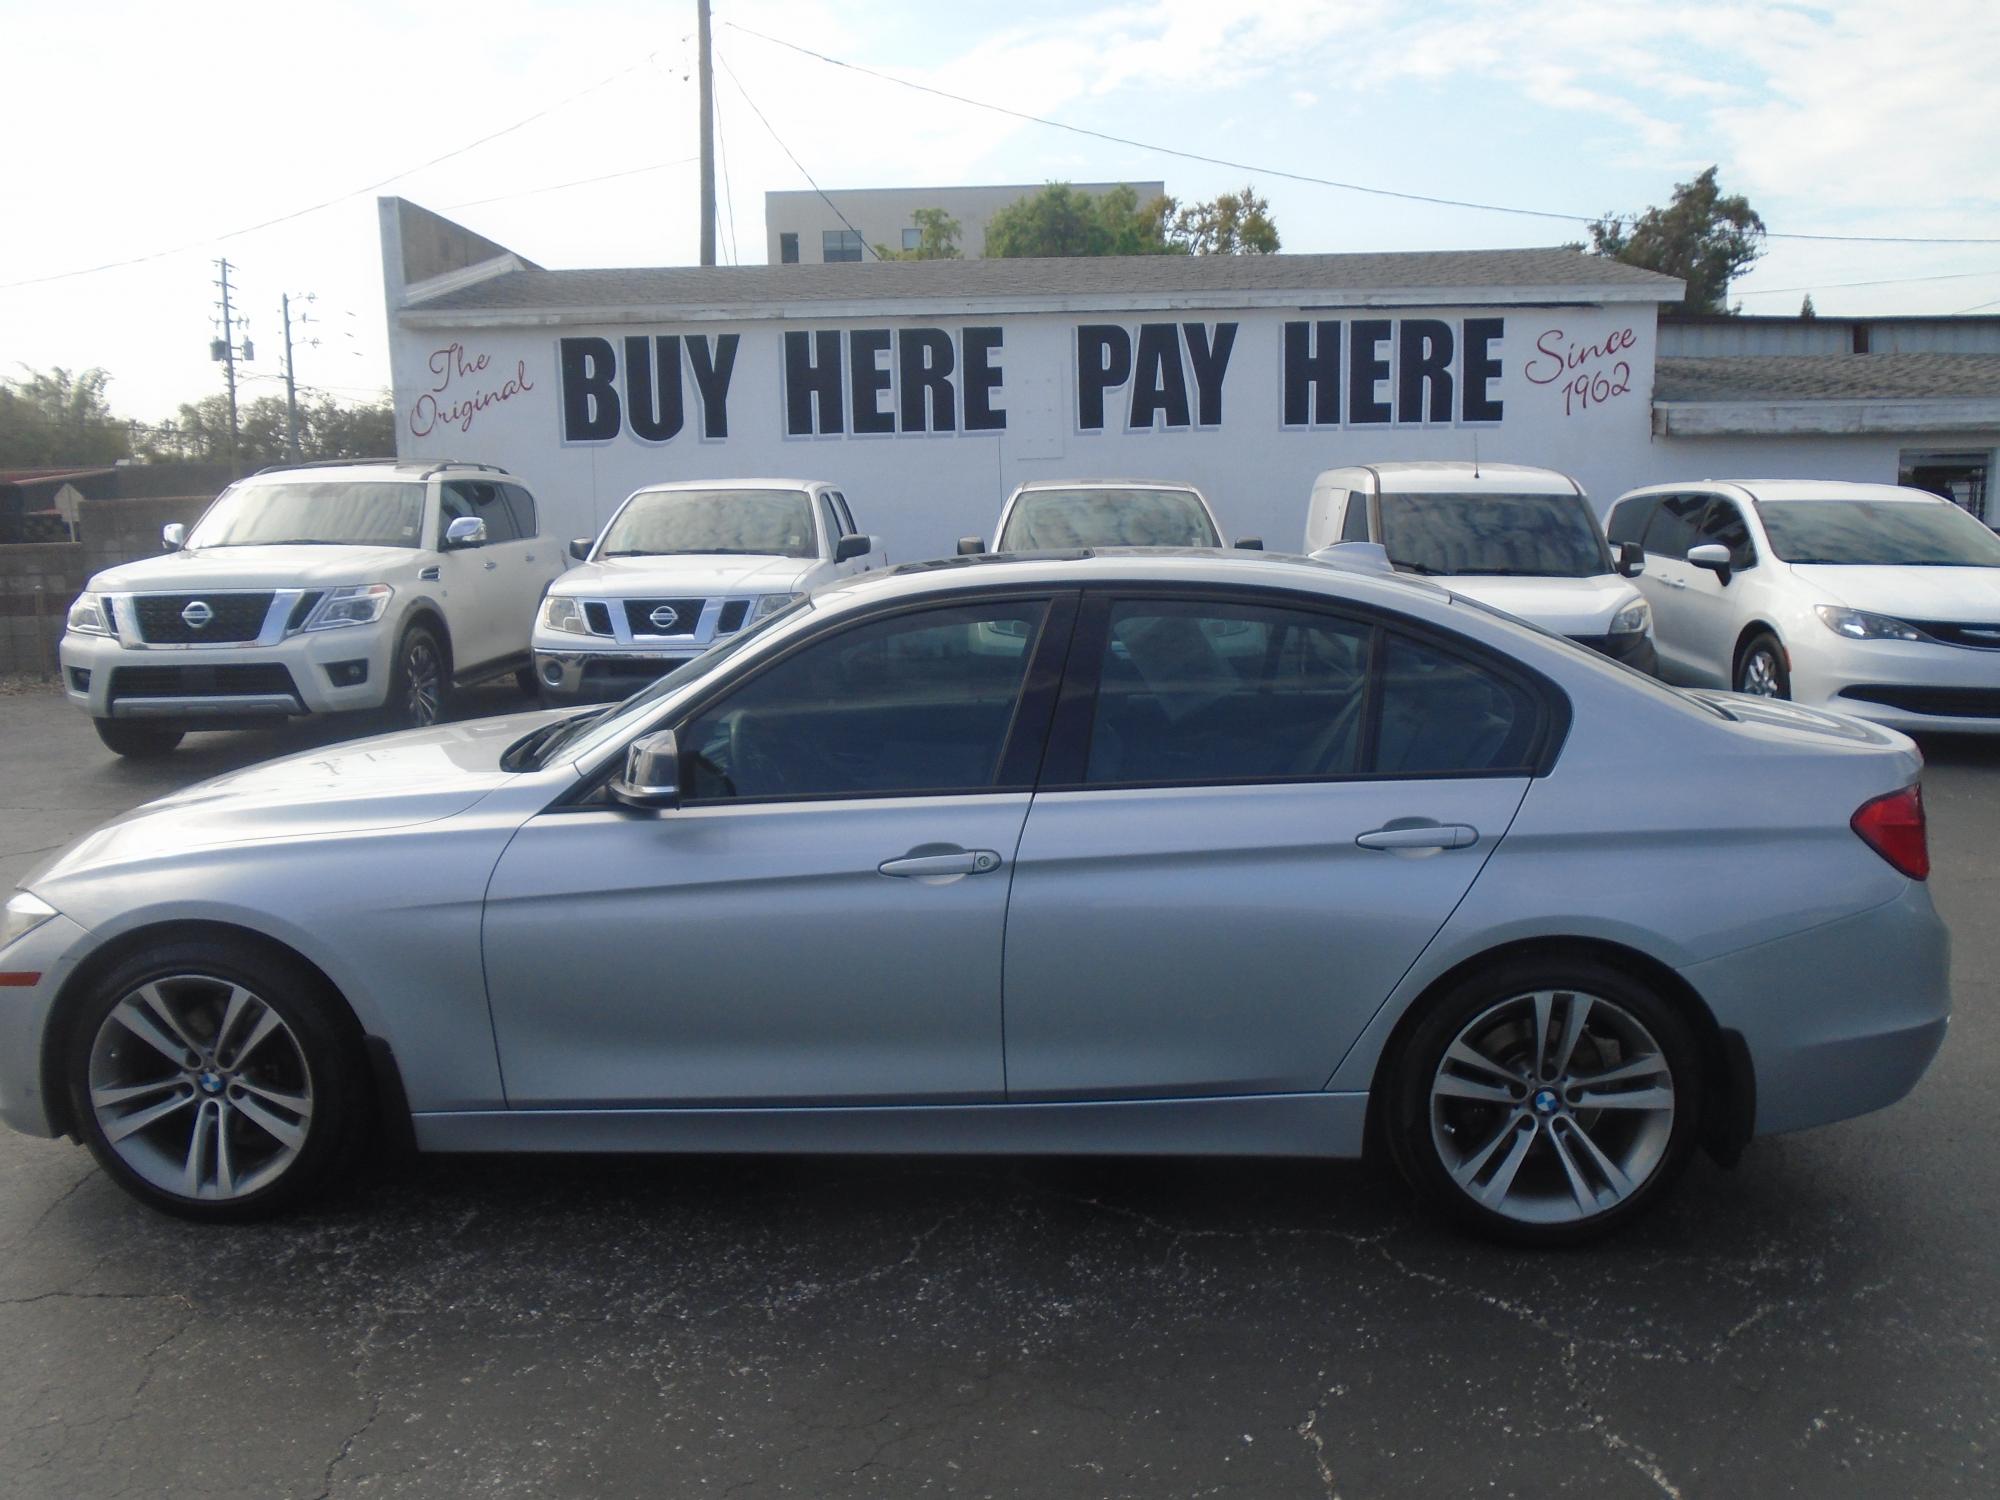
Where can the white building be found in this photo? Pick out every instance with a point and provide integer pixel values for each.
(809, 228)
(928, 389)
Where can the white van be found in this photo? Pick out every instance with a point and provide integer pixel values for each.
(1521, 539)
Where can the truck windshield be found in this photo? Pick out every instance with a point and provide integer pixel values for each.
(1103, 516)
(329, 512)
(763, 523)
(1527, 536)
(1899, 533)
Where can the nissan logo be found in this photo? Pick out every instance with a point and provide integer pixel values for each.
(665, 616)
(197, 614)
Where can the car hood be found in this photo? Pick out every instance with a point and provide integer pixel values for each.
(253, 568)
(1909, 593)
(392, 781)
(693, 574)
(1568, 606)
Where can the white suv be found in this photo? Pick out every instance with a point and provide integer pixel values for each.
(322, 589)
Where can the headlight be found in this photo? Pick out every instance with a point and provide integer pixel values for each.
(769, 604)
(357, 604)
(23, 915)
(1632, 619)
(1859, 625)
(86, 616)
(564, 614)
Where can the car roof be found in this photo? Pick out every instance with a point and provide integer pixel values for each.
(1462, 476)
(1106, 484)
(378, 469)
(1792, 489)
(736, 484)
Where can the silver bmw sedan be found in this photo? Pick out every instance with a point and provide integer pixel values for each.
(1128, 853)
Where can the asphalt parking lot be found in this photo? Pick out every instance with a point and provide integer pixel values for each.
(1818, 1322)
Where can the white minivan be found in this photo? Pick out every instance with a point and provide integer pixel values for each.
(1521, 539)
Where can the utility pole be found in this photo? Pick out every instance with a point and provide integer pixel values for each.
(291, 384)
(227, 354)
(706, 69)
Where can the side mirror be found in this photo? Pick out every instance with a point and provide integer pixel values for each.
(652, 774)
(851, 546)
(465, 531)
(1712, 556)
(579, 548)
(173, 535)
(1250, 544)
(1631, 559)
(971, 546)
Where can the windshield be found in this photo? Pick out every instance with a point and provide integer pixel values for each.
(1905, 533)
(329, 512)
(1058, 520)
(655, 523)
(1494, 536)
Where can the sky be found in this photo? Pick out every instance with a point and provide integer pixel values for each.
(170, 136)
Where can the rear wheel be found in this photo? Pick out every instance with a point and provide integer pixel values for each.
(419, 679)
(137, 738)
(1545, 1104)
(1760, 668)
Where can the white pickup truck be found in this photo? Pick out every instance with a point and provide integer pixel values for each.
(681, 566)
(323, 589)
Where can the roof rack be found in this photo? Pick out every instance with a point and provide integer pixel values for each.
(328, 463)
(460, 463)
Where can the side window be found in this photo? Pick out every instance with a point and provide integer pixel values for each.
(918, 702)
(522, 504)
(1629, 518)
(1724, 523)
(481, 498)
(847, 526)
(1354, 525)
(830, 519)
(1210, 691)
(1672, 530)
(1442, 712)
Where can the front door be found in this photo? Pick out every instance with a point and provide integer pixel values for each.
(1260, 817)
(821, 920)
(1669, 575)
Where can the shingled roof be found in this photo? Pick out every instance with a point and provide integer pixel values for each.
(1828, 377)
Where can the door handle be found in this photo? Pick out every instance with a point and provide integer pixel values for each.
(1420, 836)
(429, 575)
(491, 565)
(958, 862)
(1675, 583)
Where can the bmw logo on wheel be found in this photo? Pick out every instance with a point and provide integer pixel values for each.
(665, 616)
(197, 614)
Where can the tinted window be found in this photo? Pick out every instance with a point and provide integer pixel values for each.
(1629, 518)
(847, 526)
(916, 703)
(1063, 519)
(777, 523)
(1724, 523)
(1442, 712)
(1534, 536)
(1201, 691)
(1672, 529)
(481, 498)
(523, 506)
(831, 518)
(1907, 533)
(332, 511)
(1354, 525)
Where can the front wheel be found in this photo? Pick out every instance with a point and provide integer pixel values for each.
(529, 684)
(137, 739)
(1545, 1104)
(215, 1081)
(1760, 668)
(419, 680)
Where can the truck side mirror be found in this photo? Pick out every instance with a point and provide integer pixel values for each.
(173, 536)
(1250, 544)
(465, 531)
(579, 548)
(971, 546)
(1631, 559)
(652, 774)
(851, 546)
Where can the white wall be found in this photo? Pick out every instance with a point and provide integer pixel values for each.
(497, 398)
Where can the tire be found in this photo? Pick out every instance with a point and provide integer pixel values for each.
(1515, 1152)
(138, 739)
(1760, 668)
(419, 680)
(222, 1133)
(529, 683)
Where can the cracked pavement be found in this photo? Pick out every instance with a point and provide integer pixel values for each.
(1819, 1322)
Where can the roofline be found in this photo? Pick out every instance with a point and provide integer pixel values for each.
(1793, 320)
(1825, 416)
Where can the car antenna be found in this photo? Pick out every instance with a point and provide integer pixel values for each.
(1475, 455)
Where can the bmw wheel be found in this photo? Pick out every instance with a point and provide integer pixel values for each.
(1760, 668)
(1546, 1105)
(215, 1082)
(419, 681)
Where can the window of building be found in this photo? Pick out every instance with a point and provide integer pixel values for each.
(1959, 477)
(913, 239)
(839, 244)
(788, 249)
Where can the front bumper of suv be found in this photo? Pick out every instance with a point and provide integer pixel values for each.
(323, 672)
(569, 676)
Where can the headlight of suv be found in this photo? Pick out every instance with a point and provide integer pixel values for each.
(564, 614)
(1859, 625)
(23, 915)
(357, 604)
(1632, 619)
(769, 604)
(86, 616)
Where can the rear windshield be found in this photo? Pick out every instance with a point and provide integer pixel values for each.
(1529, 536)
(1046, 520)
(761, 523)
(1903, 533)
(327, 513)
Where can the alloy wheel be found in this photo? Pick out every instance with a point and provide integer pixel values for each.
(1760, 675)
(423, 678)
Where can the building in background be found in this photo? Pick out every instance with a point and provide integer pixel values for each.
(803, 228)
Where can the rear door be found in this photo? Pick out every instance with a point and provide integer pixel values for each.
(1253, 817)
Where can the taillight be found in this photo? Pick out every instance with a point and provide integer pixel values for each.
(1893, 826)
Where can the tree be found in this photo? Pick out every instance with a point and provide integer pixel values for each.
(937, 238)
(1060, 221)
(52, 418)
(1806, 309)
(1703, 237)
(1230, 224)
(200, 432)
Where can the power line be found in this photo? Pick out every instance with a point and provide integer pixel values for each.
(866, 247)
(1834, 286)
(728, 198)
(1279, 172)
(554, 187)
(1977, 307)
